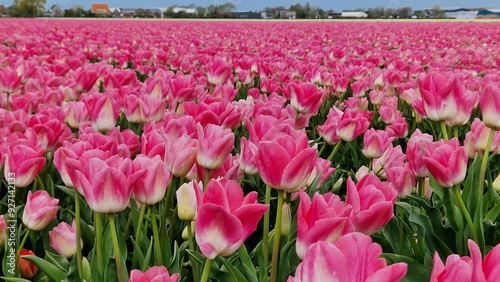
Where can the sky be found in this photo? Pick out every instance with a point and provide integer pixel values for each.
(257, 5)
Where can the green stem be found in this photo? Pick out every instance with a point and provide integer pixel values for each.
(370, 164)
(455, 132)
(118, 257)
(421, 187)
(191, 247)
(401, 227)
(465, 213)
(322, 149)
(99, 241)
(484, 163)
(140, 223)
(7, 104)
(166, 210)
(156, 236)
(206, 270)
(139, 231)
(335, 150)
(265, 235)
(444, 130)
(25, 238)
(207, 178)
(277, 237)
(79, 256)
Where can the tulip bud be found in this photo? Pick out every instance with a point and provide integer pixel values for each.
(63, 239)
(496, 184)
(186, 201)
(26, 268)
(40, 210)
(185, 234)
(286, 220)
(86, 269)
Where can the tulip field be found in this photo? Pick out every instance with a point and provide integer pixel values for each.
(254, 151)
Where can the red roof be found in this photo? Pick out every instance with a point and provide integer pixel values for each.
(100, 9)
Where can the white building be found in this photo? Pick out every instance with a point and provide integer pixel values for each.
(358, 15)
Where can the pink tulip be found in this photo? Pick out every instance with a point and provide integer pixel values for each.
(322, 167)
(446, 161)
(415, 151)
(76, 113)
(226, 218)
(398, 128)
(353, 257)
(325, 218)
(358, 89)
(390, 156)
(306, 97)
(478, 137)
(107, 185)
(218, 71)
(218, 112)
(489, 101)
(63, 239)
(353, 124)
(247, 157)
(439, 102)
(329, 129)
(103, 111)
(466, 102)
(225, 91)
(182, 88)
(49, 131)
(375, 142)
(10, 81)
(180, 154)
(214, 145)
(153, 274)
(151, 187)
(141, 109)
(372, 202)
(402, 178)
(472, 268)
(152, 143)
(285, 163)
(40, 210)
(23, 160)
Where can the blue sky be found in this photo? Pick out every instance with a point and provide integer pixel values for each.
(251, 5)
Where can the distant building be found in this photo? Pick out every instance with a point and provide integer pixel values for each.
(489, 13)
(357, 15)
(55, 11)
(467, 15)
(247, 15)
(115, 12)
(191, 11)
(287, 14)
(128, 12)
(100, 9)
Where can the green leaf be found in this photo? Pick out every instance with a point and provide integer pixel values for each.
(233, 270)
(52, 271)
(248, 266)
(147, 257)
(57, 260)
(416, 271)
(14, 279)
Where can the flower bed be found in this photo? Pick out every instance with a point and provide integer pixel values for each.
(249, 151)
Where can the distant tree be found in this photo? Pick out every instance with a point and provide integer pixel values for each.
(405, 12)
(27, 8)
(436, 12)
(273, 11)
(3, 10)
(376, 13)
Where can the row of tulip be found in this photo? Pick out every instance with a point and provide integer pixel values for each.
(185, 154)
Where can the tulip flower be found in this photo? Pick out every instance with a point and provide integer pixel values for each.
(226, 218)
(182, 88)
(353, 124)
(180, 154)
(372, 202)
(214, 145)
(151, 187)
(63, 239)
(489, 101)
(415, 151)
(325, 218)
(353, 257)
(329, 129)
(439, 102)
(306, 98)
(472, 268)
(286, 163)
(218, 71)
(143, 108)
(24, 161)
(189, 196)
(375, 142)
(247, 157)
(49, 131)
(103, 111)
(466, 102)
(40, 210)
(446, 161)
(401, 177)
(478, 135)
(153, 274)
(107, 185)
(26, 268)
(323, 167)
(76, 113)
